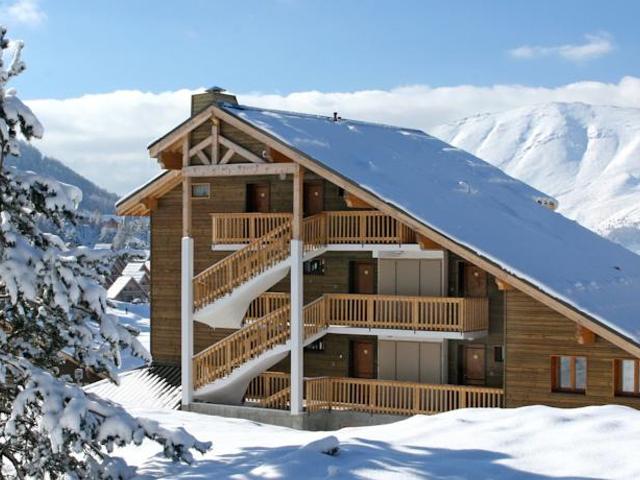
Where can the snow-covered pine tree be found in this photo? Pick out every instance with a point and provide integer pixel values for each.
(53, 308)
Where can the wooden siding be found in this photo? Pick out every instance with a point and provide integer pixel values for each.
(534, 333)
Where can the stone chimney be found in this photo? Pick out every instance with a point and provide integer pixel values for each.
(200, 101)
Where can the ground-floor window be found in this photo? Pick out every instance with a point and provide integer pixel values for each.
(626, 373)
(568, 374)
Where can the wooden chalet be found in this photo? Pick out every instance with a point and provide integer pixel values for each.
(313, 264)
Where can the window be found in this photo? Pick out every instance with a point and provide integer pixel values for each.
(626, 374)
(498, 353)
(200, 190)
(569, 374)
(314, 267)
(317, 346)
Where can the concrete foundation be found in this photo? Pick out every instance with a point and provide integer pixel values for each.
(319, 421)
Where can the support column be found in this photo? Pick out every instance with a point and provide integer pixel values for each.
(186, 330)
(297, 294)
(186, 287)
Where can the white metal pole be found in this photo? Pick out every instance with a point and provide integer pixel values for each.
(187, 321)
(297, 328)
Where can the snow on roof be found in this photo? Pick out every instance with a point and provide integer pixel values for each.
(149, 387)
(120, 284)
(102, 246)
(133, 267)
(473, 203)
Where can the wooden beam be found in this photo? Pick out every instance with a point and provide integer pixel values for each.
(182, 130)
(215, 144)
(203, 158)
(243, 152)
(502, 285)
(200, 146)
(354, 202)
(170, 160)
(227, 156)
(298, 185)
(464, 252)
(584, 336)
(186, 191)
(240, 169)
(151, 203)
(427, 244)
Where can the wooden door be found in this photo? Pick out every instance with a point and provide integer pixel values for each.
(313, 198)
(362, 277)
(258, 197)
(362, 365)
(475, 281)
(474, 364)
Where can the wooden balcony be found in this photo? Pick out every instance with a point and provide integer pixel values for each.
(438, 314)
(395, 398)
(343, 227)
(271, 390)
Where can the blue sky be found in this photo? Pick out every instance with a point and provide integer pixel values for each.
(108, 77)
(282, 46)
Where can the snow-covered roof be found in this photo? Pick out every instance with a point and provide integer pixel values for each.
(474, 204)
(120, 284)
(133, 267)
(157, 386)
(102, 246)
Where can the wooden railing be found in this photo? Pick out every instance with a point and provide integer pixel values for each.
(230, 228)
(221, 358)
(279, 400)
(367, 226)
(442, 314)
(265, 385)
(396, 398)
(265, 304)
(227, 274)
(341, 227)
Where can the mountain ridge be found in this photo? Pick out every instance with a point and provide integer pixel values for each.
(586, 156)
(94, 198)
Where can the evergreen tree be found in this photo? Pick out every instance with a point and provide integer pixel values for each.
(52, 308)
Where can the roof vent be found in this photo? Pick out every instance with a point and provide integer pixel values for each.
(336, 117)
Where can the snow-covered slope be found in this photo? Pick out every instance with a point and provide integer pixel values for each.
(530, 443)
(94, 198)
(586, 156)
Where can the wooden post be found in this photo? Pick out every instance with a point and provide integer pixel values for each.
(215, 149)
(298, 185)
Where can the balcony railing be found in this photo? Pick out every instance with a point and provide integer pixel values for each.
(395, 398)
(342, 227)
(271, 390)
(231, 228)
(440, 314)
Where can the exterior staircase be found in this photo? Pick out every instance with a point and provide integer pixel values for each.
(223, 371)
(223, 292)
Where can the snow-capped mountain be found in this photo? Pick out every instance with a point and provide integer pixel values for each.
(586, 156)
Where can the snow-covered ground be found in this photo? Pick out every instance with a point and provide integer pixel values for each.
(526, 443)
(135, 315)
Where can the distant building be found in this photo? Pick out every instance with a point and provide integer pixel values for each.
(127, 289)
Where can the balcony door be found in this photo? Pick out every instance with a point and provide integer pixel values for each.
(313, 198)
(473, 361)
(258, 198)
(362, 363)
(410, 277)
(362, 277)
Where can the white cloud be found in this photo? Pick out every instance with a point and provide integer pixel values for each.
(27, 12)
(595, 46)
(104, 137)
